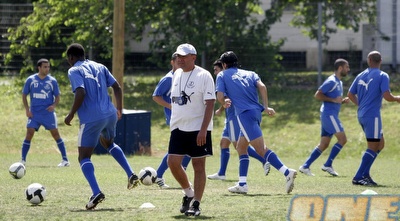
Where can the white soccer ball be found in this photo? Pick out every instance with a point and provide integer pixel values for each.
(17, 170)
(35, 193)
(147, 176)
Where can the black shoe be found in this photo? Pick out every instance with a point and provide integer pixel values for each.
(371, 181)
(185, 203)
(133, 181)
(363, 182)
(194, 209)
(94, 200)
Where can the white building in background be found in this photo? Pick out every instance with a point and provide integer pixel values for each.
(367, 39)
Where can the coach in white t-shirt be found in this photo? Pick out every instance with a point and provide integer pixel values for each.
(192, 103)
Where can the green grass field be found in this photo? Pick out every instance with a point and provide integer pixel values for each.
(292, 134)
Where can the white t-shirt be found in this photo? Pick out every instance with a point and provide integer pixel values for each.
(198, 86)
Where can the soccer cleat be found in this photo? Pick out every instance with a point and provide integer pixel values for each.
(23, 162)
(194, 210)
(216, 176)
(64, 163)
(267, 168)
(372, 182)
(329, 170)
(239, 189)
(185, 203)
(133, 181)
(306, 171)
(290, 180)
(94, 200)
(161, 183)
(363, 182)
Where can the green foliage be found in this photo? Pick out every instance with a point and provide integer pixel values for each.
(335, 14)
(63, 22)
(212, 26)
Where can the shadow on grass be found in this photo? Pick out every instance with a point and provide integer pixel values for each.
(76, 210)
(201, 217)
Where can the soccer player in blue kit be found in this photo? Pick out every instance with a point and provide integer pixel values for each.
(162, 96)
(97, 115)
(331, 95)
(230, 134)
(44, 95)
(239, 88)
(367, 91)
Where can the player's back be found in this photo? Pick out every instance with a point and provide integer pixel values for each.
(96, 79)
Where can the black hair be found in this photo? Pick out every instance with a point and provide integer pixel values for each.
(218, 63)
(229, 58)
(76, 50)
(41, 61)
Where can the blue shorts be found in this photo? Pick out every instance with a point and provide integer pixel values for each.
(249, 123)
(89, 133)
(330, 125)
(231, 130)
(49, 121)
(184, 143)
(372, 127)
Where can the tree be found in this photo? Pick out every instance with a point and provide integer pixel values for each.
(213, 26)
(346, 14)
(61, 23)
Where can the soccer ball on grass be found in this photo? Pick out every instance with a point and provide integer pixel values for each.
(35, 193)
(17, 170)
(147, 176)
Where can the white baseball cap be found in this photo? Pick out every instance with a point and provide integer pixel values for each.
(185, 49)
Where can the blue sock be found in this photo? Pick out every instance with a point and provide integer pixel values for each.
(313, 156)
(366, 163)
(243, 168)
(334, 152)
(274, 160)
(252, 152)
(88, 171)
(119, 156)
(61, 147)
(368, 168)
(185, 162)
(163, 166)
(26, 145)
(225, 155)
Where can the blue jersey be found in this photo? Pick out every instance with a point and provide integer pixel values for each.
(164, 89)
(42, 92)
(369, 86)
(332, 88)
(241, 87)
(95, 79)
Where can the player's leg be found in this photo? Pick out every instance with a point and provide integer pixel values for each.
(49, 121)
(199, 154)
(224, 143)
(373, 131)
(61, 146)
(317, 151)
(224, 159)
(87, 140)
(244, 161)
(107, 141)
(160, 172)
(177, 149)
(334, 127)
(26, 144)
(32, 125)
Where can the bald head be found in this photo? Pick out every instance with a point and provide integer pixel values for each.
(374, 59)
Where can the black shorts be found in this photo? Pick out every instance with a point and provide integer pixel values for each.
(184, 143)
